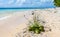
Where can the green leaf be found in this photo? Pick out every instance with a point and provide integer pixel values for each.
(37, 31)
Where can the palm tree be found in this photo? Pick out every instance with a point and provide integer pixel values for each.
(57, 3)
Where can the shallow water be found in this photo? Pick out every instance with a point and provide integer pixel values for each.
(4, 13)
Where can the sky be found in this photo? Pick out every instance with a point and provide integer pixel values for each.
(25, 3)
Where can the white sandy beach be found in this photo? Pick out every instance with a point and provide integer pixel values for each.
(16, 22)
(9, 23)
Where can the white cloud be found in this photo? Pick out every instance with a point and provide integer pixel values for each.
(10, 1)
(46, 0)
(19, 2)
(3, 2)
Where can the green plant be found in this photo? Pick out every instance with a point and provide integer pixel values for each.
(57, 3)
(36, 27)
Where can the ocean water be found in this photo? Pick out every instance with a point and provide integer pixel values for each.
(4, 13)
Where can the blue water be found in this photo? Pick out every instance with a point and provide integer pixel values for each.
(7, 11)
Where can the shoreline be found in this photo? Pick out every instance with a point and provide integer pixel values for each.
(8, 25)
(5, 17)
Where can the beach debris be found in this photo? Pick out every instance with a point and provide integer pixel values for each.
(43, 21)
(32, 13)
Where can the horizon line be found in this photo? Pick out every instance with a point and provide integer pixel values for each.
(28, 8)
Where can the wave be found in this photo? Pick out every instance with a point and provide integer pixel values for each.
(5, 17)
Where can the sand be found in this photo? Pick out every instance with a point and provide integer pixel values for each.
(9, 25)
(16, 22)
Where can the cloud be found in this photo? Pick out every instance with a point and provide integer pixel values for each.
(10, 1)
(19, 2)
(22, 3)
(5, 2)
(46, 0)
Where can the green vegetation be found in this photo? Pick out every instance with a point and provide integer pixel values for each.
(57, 3)
(36, 27)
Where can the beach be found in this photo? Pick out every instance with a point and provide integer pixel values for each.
(14, 23)
(11, 22)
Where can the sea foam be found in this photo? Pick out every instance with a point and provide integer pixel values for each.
(5, 17)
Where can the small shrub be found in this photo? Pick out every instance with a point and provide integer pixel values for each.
(36, 27)
(57, 3)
